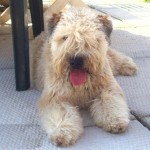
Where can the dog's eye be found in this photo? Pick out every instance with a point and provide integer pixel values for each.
(64, 38)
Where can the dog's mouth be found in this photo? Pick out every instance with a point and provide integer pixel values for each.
(78, 77)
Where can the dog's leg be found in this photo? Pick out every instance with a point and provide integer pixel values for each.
(110, 110)
(121, 64)
(61, 121)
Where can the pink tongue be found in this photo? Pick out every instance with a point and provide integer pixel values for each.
(77, 77)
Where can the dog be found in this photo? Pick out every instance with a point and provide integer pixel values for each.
(74, 67)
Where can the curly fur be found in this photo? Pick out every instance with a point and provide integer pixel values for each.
(79, 32)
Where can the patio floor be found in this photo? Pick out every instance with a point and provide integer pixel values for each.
(19, 123)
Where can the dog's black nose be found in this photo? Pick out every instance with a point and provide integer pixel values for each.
(76, 62)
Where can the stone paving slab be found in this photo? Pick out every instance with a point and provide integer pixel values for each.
(20, 136)
(127, 12)
(16, 107)
(134, 42)
(126, 15)
(104, 2)
(30, 136)
(135, 138)
(137, 88)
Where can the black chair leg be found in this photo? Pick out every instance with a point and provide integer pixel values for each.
(20, 42)
(36, 9)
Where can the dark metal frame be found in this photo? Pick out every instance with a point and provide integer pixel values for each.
(36, 9)
(20, 37)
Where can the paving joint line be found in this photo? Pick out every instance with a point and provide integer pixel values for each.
(88, 126)
(9, 68)
(144, 123)
(144, 57)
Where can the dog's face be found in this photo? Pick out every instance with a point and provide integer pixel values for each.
(78, 45)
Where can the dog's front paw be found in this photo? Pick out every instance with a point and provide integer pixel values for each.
(64, 138)
(62, 123)
(116, 126)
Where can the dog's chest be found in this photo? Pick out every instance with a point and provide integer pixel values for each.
(83, 97)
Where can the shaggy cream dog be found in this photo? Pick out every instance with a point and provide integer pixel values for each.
(74, 67)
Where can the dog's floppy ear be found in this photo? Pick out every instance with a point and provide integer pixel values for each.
(107, 26)
(51, 23)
